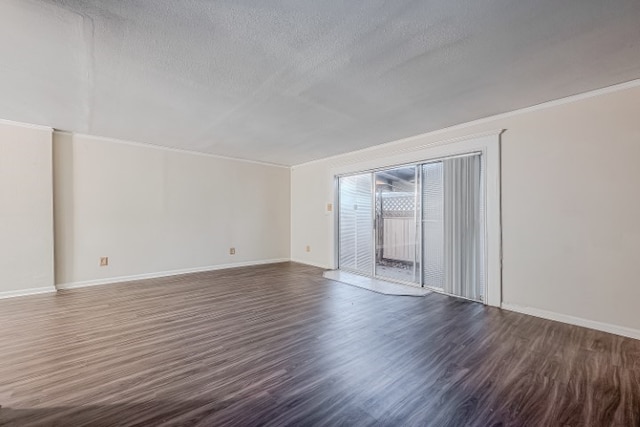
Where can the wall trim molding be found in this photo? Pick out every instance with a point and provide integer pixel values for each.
(25, 125)
(119, 279)
(410, 150)
(544, 105)
(25, 292)
(313, 264)
(572, 320)
(165, 148)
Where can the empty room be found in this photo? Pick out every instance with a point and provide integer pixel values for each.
(319, 213)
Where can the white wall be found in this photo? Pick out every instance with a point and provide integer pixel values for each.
(26, 210)
(153, 210)
(570, 207)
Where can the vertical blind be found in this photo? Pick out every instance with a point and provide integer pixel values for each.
(462, 227)
(356, 223)
(433, 225)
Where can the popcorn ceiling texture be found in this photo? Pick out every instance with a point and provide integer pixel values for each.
(288, 81)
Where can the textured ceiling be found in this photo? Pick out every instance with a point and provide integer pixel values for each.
(287, 81)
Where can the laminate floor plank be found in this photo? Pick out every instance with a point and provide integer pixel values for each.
(278, 345)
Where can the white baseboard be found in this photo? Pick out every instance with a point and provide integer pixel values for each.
(572, 320)
(97, 282)
(25, 292)
(313, 264)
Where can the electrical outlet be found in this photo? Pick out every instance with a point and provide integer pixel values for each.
(308, 248)
(104, 261)
(329, 207)
(232, 251)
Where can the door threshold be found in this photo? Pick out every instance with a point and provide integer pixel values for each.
(375, 285)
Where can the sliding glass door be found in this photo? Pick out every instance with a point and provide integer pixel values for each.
(397, 240)
(421, 224)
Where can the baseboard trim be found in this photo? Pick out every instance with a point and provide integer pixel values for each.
(25, 292)
(119, 279)
(572, 320)
(313, 264)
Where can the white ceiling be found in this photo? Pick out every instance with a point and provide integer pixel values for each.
(288, 81)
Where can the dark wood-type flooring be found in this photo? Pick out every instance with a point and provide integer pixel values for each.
(279, 345)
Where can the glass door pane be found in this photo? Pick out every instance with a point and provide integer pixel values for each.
(396, 227)
(356, 223)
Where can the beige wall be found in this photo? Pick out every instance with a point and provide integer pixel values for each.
(570, 205)
(154, 210)
(26, 206)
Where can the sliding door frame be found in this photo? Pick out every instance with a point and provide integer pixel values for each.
(488, 145)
